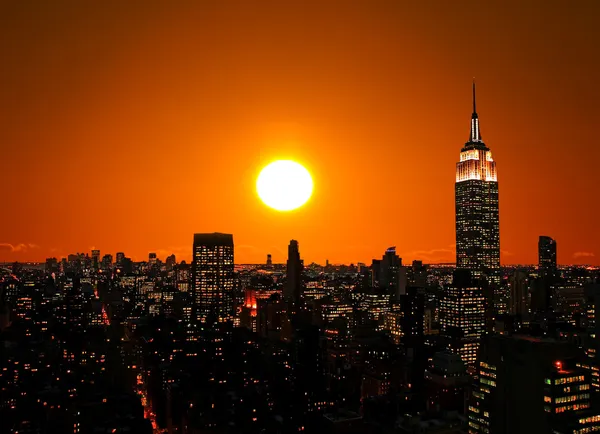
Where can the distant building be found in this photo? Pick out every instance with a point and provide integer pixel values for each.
(120, 256)
(170, 262)
(95, 259)
(293, 289)
(269, 260)
(107, 261)
(391, 276)
(547, 256)
(519, 294)
(213, 277)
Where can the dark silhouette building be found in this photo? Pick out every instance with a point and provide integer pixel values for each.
(526, 384)
(295, 265)
(547, 256)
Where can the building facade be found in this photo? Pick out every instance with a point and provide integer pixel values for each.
(213, 277)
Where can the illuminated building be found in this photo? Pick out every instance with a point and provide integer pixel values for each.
(119, 258)
(183, 277)
(314, 291)
(248, 311)
(293, 289)
(213, 277)
(335, 309)
(462, 316)
(568, 302)
(525, 385)
(392, 323)
(375, 305)
(592, 303)
(476, 200)
(152, 259)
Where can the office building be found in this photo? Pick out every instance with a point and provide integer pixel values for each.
(462, 316)
(525, 385)
(476, 201)
(213, 277)
(547, 256)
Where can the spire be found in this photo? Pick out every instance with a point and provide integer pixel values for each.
(474, 101)
(475, 132)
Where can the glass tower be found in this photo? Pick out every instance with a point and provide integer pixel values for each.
(476, 200)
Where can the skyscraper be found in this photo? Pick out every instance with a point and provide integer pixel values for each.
(293, 288)
(462, 316)
(95, 259)
(547, 256)
(476, 200)
(526, 384)
(213, 277)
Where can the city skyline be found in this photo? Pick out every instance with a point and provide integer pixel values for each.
(124, 118)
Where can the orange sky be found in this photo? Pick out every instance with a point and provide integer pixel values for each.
(131, 125)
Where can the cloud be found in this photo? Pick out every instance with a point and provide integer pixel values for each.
(21, 247)
(577, 255)
(433, 255)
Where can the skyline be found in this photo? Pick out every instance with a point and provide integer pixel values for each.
(114, 145)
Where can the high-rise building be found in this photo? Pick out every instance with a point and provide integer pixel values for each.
(463, 316)
(269, 260)
(519, 294)
(392, 276)
(107, 261)
(95, 259)
(476, 201)
(171, 262)
(119, 258)
(152, 258)
(295, 265)
(526, 384)
(547, 256)
(213, 277)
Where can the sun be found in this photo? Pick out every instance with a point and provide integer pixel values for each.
(284, 185)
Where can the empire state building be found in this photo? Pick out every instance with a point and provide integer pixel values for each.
(476, 200)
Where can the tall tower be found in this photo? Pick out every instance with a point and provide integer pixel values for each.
(547, 256)
(213, 277)
(476, 200)
(293, 288)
